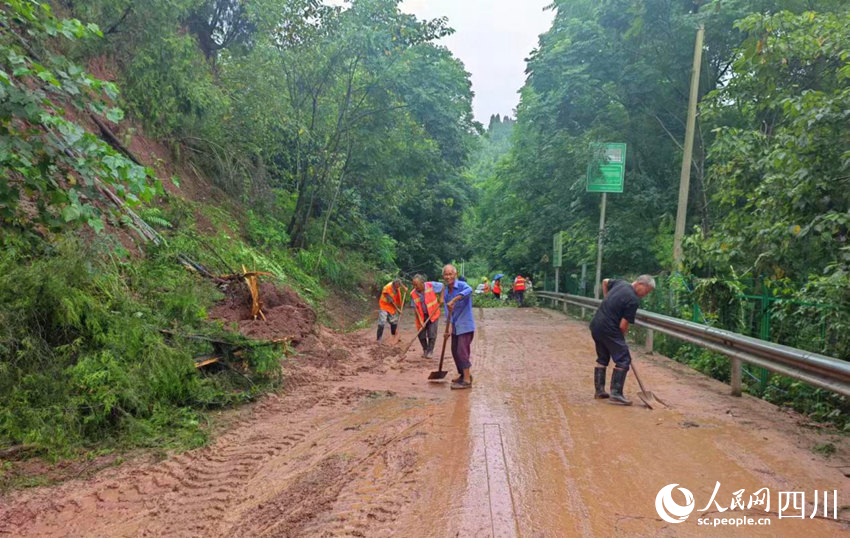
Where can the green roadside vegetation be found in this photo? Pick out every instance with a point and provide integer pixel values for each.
(767, 243)
(334, 147)
(316, 143)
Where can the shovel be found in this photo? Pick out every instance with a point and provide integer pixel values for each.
(646, 396)
(397, 336)
(407, 347)
(440, 373)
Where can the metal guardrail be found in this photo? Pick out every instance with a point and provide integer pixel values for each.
(818, 370)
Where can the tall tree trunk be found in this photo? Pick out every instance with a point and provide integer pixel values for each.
(331, 208)
(303, 209)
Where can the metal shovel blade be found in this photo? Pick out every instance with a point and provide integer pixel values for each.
(437, 375)
(653, 398)
(647, 397)
(440, 373)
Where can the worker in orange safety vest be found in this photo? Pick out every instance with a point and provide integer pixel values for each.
(519, 289)
(389, 306)
(425, 299)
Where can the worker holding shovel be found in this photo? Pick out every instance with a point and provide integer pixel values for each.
(389, 306)
(426, 306)
(457, 296)
(609, 327)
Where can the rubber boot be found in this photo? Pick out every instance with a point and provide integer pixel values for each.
(618, 379)
(380, 332)
(599, 382)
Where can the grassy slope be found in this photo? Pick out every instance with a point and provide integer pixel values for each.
(83, 366)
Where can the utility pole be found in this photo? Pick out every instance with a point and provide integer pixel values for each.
(597, 288)
(685, 177)
(557, 256)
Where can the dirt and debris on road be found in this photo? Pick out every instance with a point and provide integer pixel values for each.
(288, 317)
(360, 444)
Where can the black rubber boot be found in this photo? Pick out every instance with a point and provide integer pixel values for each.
(618, 379)
(599, 382)
(380, 332)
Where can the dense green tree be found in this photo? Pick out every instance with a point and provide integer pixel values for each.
(780, 167)
(52, 170)
(615, 70)
(348, 123)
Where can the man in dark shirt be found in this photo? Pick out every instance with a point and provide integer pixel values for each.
(609, 327)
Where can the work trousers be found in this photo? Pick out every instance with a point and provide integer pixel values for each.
(383, 318)
(461, 350)
(428, 336)
(609, 347)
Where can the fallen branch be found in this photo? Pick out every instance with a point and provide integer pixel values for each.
(110, 138)
(7, 453)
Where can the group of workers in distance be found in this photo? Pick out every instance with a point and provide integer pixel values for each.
(453, 297)
(516, 291)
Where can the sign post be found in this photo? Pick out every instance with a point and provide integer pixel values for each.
(583, 286)
(605, 173)
(557, 252)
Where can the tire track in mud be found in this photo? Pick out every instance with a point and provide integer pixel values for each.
(342, 495)
(370, 502)
(341, 455)
(208, 481)
(194, 493)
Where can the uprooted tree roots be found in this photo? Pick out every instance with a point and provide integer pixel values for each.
(288, 317)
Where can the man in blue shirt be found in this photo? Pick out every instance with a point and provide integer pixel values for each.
(457, 296)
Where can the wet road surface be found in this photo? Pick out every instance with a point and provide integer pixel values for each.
(366, 446)
(541, 457)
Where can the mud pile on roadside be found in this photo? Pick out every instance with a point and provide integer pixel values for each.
(341, 354)
(287, 315)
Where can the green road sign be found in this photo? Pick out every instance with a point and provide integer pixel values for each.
(606, 170)
(557, 250)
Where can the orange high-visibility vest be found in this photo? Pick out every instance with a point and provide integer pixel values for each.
(497, 288)
(431, 304)
(386, 305)
(519, 283)
(486, 288)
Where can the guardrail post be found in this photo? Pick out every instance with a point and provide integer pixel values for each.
(649, 340)
(736, 376)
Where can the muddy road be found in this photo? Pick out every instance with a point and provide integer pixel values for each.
(362, 445)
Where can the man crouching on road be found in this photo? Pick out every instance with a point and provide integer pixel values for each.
(457, 296)
(609, 327)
